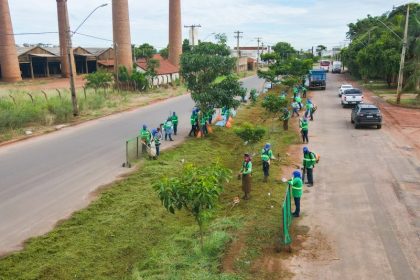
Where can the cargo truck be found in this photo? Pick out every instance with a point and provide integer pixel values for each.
(317, 79)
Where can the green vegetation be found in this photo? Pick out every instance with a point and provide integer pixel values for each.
(197, 190)
(20, 111)
(208, 74)
(288, 62)
(374, 52)
(127, 234)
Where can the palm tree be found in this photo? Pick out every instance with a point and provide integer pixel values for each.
(320, 49)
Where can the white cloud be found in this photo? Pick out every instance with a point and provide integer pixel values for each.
(303, 23)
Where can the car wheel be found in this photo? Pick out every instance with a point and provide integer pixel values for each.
(343, 105)
(379, 126)
(352, 121)
(356, 126)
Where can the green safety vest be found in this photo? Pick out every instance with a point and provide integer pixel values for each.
(246, 168)
(266, 155)
(145, 135)
(174, 119)
(157, 139)
(309, 160)
(193, 119)
(297, 185)
(309, 106)
(286, 116)
(168, 125)
(304, 125)
(298, 99)
(203, 120)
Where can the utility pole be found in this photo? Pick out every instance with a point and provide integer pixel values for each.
(71, 74)
(258, 52)
(402, 62)
(192, 30)
(238, 37)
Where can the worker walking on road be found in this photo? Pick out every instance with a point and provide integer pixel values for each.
(309, 161)
(297, 186)
(145, 137)
(246, 174)
(168, 127)
(309, 107)
(286, 117)
(266, 157)
(304, 90)
(304, 129)
(174, 119)
(295, 107)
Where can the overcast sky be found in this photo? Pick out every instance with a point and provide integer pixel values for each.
(303, 23)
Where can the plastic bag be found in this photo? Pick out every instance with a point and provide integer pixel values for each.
(219, 118)
(228, 125)
(209, 129)
(199, 134)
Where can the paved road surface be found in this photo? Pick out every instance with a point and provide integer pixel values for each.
(366, 202)
(45, 179)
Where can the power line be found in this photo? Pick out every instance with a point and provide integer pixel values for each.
(94, 37)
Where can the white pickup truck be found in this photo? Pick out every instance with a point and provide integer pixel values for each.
(351, 97)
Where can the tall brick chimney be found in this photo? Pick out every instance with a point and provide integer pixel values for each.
(122, 37)
(63, 27)
(9, 62)
(175, 32)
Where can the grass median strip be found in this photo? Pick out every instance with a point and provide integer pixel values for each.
(127, 234)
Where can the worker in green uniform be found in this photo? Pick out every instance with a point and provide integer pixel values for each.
(174, 119)
(157, 136)
(298, 99)
(145, 137)
(266, 157)
(194, 123)
(203, 124)
(304, 91)
(304, 129)
(168, 127)
(309, 161)
(246, 174)
(286, 117)
(296, 185)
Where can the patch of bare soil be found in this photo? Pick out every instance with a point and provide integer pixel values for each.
(229, 259)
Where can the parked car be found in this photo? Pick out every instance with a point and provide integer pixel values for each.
(336, 67)
(351, 97)
(343, 88)
(366, 115)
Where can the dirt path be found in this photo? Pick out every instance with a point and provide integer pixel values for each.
(363, 215)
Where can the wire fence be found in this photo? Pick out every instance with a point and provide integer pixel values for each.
(287, 216)
(135, 150)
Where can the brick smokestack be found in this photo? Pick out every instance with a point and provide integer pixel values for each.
(9, 62)
(63, 27)
(175, 32)
(122, 37)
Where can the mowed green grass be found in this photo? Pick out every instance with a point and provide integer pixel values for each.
(127, 234)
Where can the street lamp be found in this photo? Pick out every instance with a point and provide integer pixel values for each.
(70, 58)
(404, 48)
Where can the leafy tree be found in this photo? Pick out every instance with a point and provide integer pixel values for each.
(273, 105)
(284, 50)
(250, 134)
(145, 51)
(196, 189)
(123, 75)
(208, 73)
(152, 64)
(164, 53)
(98, 79)
(140, 79)
(186, 46)
(253, 95)
(320, 49)
(221, 38)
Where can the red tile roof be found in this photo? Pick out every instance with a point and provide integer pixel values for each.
(251, 60)
(165, 67)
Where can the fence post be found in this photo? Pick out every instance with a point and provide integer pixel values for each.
(137, 147)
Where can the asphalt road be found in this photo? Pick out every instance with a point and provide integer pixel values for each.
(45, 179)
(364, 211)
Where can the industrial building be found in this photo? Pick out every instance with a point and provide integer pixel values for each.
(39, 62)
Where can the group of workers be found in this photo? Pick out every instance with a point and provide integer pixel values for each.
(200, 122)
(298, 106)
(309, 158)
(151, 139)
